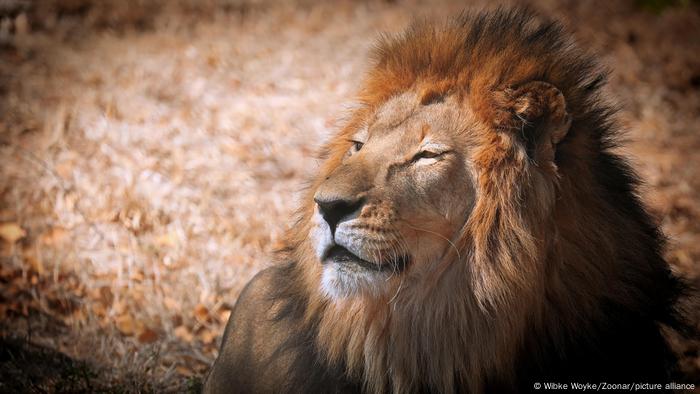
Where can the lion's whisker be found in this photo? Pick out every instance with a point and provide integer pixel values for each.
(459, 255)
(398, 290)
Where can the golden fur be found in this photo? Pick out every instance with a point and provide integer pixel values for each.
(555, 250)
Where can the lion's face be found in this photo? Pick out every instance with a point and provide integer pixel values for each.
(394, 201)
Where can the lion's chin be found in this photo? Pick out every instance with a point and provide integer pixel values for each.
(342, 280)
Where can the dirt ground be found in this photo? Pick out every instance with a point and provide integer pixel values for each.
(152, 152)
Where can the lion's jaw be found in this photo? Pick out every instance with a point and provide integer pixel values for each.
(395, 203)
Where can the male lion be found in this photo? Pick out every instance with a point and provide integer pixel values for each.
(469, 231)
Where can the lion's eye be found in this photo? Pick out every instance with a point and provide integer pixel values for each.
(428, 155)
(356, 146)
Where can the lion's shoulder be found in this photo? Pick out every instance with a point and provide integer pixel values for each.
(244, 343)
(268, 345)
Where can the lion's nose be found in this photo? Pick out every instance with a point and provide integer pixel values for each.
(334, 210)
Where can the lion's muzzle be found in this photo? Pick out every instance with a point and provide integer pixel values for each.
(334, 208)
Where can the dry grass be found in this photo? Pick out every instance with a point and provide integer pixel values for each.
(152, 151)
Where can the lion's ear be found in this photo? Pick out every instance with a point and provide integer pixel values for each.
(536, 111)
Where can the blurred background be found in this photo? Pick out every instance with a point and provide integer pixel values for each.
(152, 152)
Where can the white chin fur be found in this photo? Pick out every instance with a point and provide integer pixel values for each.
(342, 281)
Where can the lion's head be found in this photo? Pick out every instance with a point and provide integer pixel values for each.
(446, 163)
(402, 189)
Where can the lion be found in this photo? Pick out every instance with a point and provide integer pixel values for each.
(471, 229)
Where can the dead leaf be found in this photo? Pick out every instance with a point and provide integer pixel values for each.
(119, 307)
(224, 314)
(182, 370)
(201, 313)
(54, 236)
(99, 309)
(136, 276)
(184, 334)
(207, 336)
(105, 295)
(136, 294)
(11, 232)
(125, 324)
(65, 168)
(147, 335)
(171, 304)
(167, 239)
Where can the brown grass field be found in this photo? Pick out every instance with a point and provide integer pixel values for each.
(152, 153)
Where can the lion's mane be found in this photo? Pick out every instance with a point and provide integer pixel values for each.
(558, 272)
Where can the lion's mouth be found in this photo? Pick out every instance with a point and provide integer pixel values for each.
(340, 255)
